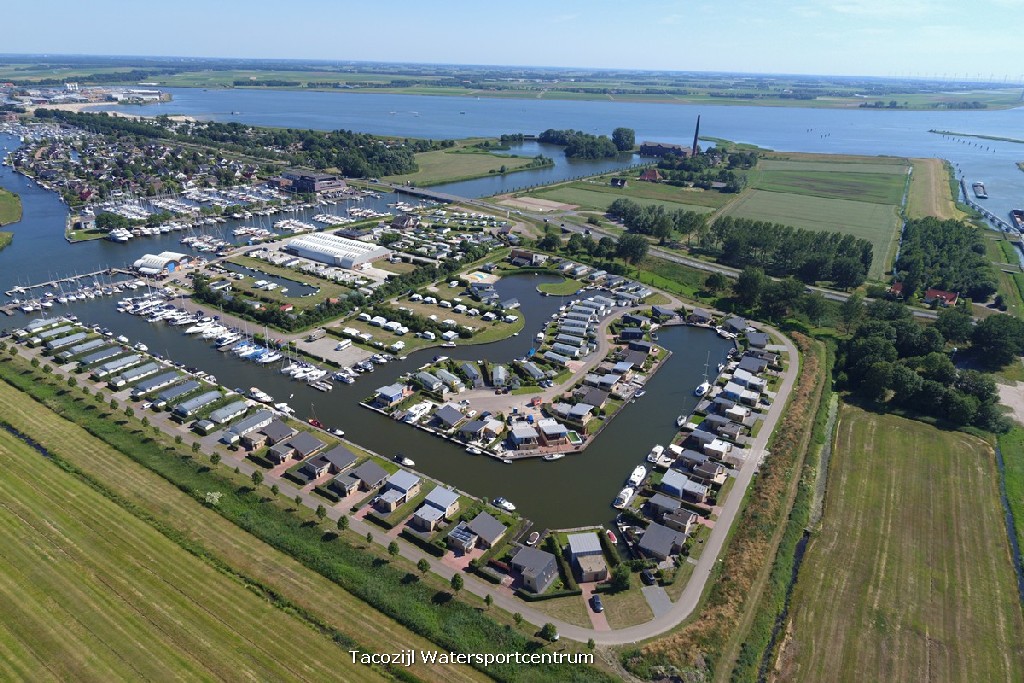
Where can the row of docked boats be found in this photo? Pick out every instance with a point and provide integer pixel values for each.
(636, 478)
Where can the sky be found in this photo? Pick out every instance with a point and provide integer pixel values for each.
(926, 38)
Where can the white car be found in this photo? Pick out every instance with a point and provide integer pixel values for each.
(147, 405)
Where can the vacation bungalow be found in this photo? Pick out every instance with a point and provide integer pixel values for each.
(488, 529)
(538, 569)
(472, 373)
(677, 484)
(740, 394)
(429, 382)
(391, 395)
(661, 542)
(593, 396)
(580, 414)
(587, 557)
(660, 505)
(682, 521)
(370, 475)
(499, 375)
(229, 412)
(631, 333)
(565, 350)
(451, 380)
(334, 461)
(735, 325)
(758, 340)
(752, 364)
(447, 416)
(305, 444)
(555, 358)
(523, 436)
(700, 316)
(552, 432)
(399, 488)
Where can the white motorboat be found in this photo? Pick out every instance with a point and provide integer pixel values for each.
(625, 495)
(551, 457)
(404, 461)
(472, 450)
(504, 504)
(637, 476)
(655, 453)
(702, 389)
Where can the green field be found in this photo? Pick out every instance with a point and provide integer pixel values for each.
(876, 188)
(1012, 446)
(910, 577)
(566, 287)
(10, 208)
(836, 164)
(5, 239)
(225, 545)
(877, 223)
(82, 603)
(442, 166)
(589, 196)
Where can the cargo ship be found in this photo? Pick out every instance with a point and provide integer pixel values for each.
(1017, 218)
(979, 190)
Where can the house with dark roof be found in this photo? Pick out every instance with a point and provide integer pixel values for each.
(448, 416)
(538, 569)
(662, 313)
(682, 521)
(280, 452)
(429, 382)
(305, 444)
(592, 396)
(659, 505)
(677, 484)
(472, 373)
(488, 529)
(758, 340)
(735, 325)
(661, 542)
(336, 460)
(752, 365)
(700, 316)
(370, 475)
(628, 333)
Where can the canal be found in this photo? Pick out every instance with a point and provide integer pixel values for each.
(574, 491)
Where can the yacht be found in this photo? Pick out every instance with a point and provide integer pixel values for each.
(639, 472)
(504, 504)
(551, 457)
(655, 453)
(404, 461)
(702, 389)
(472, 450)
(338, 432)
(680, 421)
(622, 500)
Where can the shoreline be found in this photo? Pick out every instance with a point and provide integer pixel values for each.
(88, 107)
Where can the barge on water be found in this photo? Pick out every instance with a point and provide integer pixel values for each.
(979, 190)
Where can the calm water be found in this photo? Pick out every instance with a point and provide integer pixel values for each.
(838, 131)
(578, 489)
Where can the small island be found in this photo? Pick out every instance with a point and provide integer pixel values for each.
(10, 209)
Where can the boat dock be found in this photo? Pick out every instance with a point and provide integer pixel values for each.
(74, 279)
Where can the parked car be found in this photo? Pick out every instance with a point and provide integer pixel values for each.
(598, 605)
(647, 576)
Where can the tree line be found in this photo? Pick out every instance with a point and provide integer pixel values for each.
(945, 254)
(810, 255)
(655, 220)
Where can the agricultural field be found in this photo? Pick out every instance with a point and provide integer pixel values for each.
(80, 603)
(594, 197)
(875, 188)
(878, 223)
(443, 166)
(257, 565)
(910, 577)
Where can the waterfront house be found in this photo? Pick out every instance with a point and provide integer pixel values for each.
(444, 499)
(472, 373)
(661, 542)
(334, 461)
(662, 313)
(499, 375)
(523, 436)
(370, 475)
(580, 414)
(758, 340)
(305, 444)
(399, 488)
(555, 358)
(488, 529)
(631, 333)
(538, 569)
(453, 382)
(429, 382)
(552, 432)
(531, 369)
(427, 518)
(636, 320)
(710, 472)
(660, 505)
(640, 346)
(587, 557)
(752, 365)
(391, 395)
(448, 416)
(682, 521)
(592, 396)
(700, 316)
(735, 325)
(677, 484)
(740, 394)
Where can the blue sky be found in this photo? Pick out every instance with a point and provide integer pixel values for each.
(853, 37)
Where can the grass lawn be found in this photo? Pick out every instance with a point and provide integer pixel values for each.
(627, 608)
(592, 196)
(5, 239)
(328, 288)
(910, 577)
(442, 166)
(637, 189)
(878, 223)
(683, 572)
(571, 608)
(1001, 253)
(566, 287)
(10, 207)
(81, 603)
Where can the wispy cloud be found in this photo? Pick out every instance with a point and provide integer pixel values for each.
(885, 8)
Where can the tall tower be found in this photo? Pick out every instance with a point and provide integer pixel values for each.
(696, 134)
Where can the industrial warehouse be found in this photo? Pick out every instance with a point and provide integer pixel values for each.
(335, 250)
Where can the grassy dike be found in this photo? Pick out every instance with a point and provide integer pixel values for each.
(1012, 446)
(742, 575)
(450, 623)
(10, 208)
